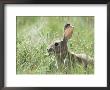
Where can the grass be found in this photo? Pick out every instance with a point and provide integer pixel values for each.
(34, 34)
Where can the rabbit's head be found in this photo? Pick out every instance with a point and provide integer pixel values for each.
(59, 48)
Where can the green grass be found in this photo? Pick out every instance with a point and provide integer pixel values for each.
(34, 34)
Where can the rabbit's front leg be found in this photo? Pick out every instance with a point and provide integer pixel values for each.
(56, 64)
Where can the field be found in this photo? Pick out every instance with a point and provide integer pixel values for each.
(34, 34)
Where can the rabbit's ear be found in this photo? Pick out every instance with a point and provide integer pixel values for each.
(68, 31)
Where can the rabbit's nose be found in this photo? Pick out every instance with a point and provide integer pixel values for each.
(49, 50)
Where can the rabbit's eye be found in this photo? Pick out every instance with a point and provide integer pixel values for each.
(56, 44)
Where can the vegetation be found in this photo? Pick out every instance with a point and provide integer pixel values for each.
(34, 34)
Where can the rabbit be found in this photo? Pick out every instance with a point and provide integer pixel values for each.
(63, 56)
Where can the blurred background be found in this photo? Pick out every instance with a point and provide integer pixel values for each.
(35, 33)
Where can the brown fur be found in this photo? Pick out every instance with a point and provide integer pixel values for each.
(60, 51)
